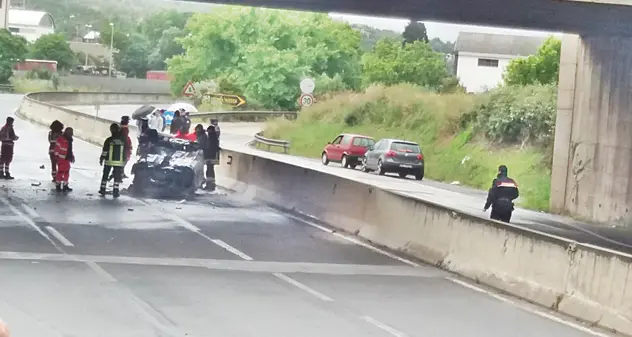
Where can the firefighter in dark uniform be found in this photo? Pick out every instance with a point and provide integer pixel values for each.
(501, 195)
(115, 148)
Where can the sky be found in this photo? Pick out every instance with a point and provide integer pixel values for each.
(444, 31)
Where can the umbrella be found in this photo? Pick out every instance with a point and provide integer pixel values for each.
(181, 105)
(143, 112)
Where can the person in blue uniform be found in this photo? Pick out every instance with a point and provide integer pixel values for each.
(501, 195)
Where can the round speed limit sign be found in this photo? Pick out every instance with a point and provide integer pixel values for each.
(307, 100)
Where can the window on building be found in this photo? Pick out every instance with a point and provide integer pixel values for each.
(488, 63)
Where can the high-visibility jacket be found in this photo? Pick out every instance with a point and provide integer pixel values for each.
(52, 141)
(61, 148)
(114, 149)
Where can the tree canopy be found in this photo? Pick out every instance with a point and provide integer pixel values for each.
(265, 53)
(13, 49)
(415, 31)
(390, 63)
(541, 68)
(53, 47)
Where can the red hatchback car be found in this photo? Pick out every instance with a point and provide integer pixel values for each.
(347, 149)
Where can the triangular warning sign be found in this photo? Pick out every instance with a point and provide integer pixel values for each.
(188, 90)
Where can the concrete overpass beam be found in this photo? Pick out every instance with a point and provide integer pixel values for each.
(593, 135)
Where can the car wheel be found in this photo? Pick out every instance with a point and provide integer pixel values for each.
(364, 168)
(344, 162)
(324, 158)
(403, 174)
(380, 169)
(419, 175)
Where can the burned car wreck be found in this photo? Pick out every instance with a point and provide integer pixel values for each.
(168, 168)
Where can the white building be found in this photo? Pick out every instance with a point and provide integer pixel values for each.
(481, 59)
(30, 24)
(4, 13)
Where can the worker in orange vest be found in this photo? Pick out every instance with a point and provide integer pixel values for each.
(64, 155)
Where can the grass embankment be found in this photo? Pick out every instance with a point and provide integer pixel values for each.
(454, 131)
(24, 85)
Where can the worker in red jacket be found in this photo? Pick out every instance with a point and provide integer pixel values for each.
(56, 130)
(128, 140)
(8, 138)
(64, 155)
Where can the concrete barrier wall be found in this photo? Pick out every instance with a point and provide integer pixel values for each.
(586, 282)
(589, 283)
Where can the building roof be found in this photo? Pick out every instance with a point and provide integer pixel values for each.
(482, 43)
(30, 18)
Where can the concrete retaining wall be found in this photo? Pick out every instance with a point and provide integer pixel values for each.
(586, 282)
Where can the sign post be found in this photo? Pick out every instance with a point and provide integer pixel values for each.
(188, 90)
(307, 88)
(234, 100)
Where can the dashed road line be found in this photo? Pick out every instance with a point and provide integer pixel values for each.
(30, 211)
(59, 236)
(383, 326)
(303, 287)
(28, 220)
(195, 229)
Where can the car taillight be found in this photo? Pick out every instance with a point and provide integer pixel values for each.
(391, 154)
(420, 156)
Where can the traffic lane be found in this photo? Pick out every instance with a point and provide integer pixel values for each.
(433, 306)
(43, 298)
(89, 224)
(265, 234)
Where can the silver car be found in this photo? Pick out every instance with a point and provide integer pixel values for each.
(395, 156)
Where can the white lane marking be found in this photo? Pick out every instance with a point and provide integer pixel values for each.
(28, 220)
(30, 211)
(532, 310)
(356, 241)
(383, 326)
(231, 249)
(100, 271)
(303, 287)
(59, 236)
(195, 229)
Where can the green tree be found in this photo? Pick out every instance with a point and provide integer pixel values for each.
(439, 46)
(167, 47)
(390, 63)
(54, 47)
(415, 31)
(541, 68)
(265, 53)
(154, 26)
(134, 60)
(12, 50)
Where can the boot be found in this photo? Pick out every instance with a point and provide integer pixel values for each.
(116, 193)
(58, 187)
(2, 175)
(67, 188)
(102, 192)
(8, 176)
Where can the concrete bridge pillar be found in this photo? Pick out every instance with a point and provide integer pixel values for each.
(592, 163)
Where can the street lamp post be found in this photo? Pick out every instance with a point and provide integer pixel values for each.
(111, 49)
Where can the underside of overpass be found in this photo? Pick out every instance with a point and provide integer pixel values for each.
(593, 134)
(552, 15)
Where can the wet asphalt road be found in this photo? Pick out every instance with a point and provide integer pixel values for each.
(221, 265)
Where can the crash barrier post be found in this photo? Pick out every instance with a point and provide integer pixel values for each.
(285, 144)
(587, 282)
(244, 115)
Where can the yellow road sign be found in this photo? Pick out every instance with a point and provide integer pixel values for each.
(233, 100)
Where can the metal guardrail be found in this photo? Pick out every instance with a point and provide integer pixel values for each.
(285, 144)
(244, 114)
(6, 88)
